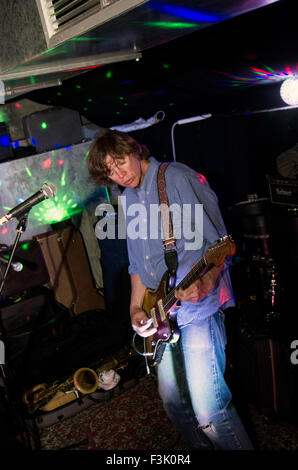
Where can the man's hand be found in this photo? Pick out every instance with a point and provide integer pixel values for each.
(200, 288)
(141, 323)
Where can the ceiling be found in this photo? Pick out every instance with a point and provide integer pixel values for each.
(231, 61)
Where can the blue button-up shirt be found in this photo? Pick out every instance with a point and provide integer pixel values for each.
(197, 224)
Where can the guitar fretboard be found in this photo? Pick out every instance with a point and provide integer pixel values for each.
(194, 273)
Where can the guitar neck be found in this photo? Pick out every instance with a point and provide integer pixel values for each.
(194, 273)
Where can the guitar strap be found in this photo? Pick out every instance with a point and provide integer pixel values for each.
(169, 241)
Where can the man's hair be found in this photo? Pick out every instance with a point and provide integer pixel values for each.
(116, 144)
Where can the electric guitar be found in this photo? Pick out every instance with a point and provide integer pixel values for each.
(160, 303)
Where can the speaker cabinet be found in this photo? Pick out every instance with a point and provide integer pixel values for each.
(53, 128)
(69, 270)
(33, 273)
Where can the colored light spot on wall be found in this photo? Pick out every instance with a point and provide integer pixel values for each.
(5, 141)
(25, 246)
(109, 74)
(78, 86)
(63, 178)
(126, 82)
(47, 163)
(60, 162)
(28, 171)
(44, 125)
(4, 231)
(165, 66)
(187, 13)
(17, 105)
(170, 24)
(90, 100)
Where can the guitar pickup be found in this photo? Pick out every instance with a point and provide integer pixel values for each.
(161, 310)
(153, 316)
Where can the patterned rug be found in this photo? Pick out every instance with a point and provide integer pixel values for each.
(135, 420)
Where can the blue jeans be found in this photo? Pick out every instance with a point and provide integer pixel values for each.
(193, 389)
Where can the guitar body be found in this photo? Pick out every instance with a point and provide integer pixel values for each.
(167, 328)
(160, 304)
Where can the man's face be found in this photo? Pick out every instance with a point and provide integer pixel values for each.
(126, 171)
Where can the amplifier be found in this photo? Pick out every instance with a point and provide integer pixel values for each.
(284, 192)
(53, 128)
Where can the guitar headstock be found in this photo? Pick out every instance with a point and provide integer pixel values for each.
(222, 248)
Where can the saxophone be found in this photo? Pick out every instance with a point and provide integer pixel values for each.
(47, 397)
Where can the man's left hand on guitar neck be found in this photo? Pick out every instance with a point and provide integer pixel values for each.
(200, 288)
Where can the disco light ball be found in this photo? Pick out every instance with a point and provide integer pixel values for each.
(289, 91)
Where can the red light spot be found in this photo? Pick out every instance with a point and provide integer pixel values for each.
(251, 56)
(47, 163)
(202, 178)
(138, 95)
(4, 231)
(17, 105)
(61, 162)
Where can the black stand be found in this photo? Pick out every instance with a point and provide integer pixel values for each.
(21, 227)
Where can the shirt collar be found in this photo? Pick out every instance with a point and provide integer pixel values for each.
(149, 175)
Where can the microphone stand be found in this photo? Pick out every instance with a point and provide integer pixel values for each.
(21, 227)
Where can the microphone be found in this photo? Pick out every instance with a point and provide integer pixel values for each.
(16, 266)
(47, 191)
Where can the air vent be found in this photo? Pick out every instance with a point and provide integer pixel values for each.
(64, 19)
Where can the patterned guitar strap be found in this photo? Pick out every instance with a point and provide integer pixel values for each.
(169, 241)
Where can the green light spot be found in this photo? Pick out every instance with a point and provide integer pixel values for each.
(109, 74)
(59, 93)
(85, 109)
(166, 66)
(69, 201)
(74, 205)
(25, 246)
(78, 86)
(171, 104)
(44, 125)
(117, 112)
(90, 100)
(28, 171)
(121, 98)
(63, 181)
(32, 80)
(170, 25)
(86, 154)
